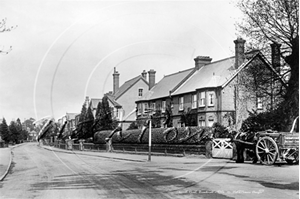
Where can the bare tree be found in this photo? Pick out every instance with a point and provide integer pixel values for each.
(4, 28)
(269, 21)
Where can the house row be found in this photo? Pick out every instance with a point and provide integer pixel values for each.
(216, 91)
(210, 91)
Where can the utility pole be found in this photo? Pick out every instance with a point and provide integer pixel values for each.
(150, 112)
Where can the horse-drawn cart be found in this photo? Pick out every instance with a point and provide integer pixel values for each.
(271, 146)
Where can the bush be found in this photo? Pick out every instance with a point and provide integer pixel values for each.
(263, 121)
(184, 135)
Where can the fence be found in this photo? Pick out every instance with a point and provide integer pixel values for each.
(220, 148)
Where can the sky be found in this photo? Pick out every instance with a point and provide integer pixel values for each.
(63, 51)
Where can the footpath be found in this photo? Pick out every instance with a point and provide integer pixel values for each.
(5, 161)
(6, 156)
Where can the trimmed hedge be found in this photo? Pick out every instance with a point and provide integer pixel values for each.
(183, 135)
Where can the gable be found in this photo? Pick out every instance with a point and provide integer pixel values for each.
(257, 57)
(127, 85)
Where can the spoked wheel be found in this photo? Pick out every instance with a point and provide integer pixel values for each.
(266, 151)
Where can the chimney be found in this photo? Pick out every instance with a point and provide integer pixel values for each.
(116, 79)
(201, 61)
(151, 78)
(275, 49)
(144, 75)
(239, 51)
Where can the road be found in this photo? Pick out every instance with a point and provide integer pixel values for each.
(40, 173)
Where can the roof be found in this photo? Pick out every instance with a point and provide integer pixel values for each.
(71, 116)
(127, 85)
(167, 84)
(210, 75)
(94, 103)
(113, 101)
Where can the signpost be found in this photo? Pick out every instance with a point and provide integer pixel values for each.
(150, 112)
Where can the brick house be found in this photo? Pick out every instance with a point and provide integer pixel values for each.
(123, 97)
(214, 91)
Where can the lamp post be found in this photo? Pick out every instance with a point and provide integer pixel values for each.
(150, 112)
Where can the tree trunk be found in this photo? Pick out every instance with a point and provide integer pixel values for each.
(291, 104)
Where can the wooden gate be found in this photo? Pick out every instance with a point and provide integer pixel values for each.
(222, 148)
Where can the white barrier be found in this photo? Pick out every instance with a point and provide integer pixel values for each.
(222, 148)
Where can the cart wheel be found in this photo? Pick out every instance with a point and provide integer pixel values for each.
(266, 150)
(293, 157)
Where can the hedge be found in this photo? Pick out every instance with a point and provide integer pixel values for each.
(183, 135)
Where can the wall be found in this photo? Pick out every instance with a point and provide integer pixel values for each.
(127, 100)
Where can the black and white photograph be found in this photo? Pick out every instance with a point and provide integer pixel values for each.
(149, 99)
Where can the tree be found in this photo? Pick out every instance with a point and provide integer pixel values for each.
(89, 118)
(106, 122)
(189, 117)
(80, 125)
(28, 124)
(4, 28)
(156, 119)
(268, 21)
(14, 132)
(4, 132)
(96, 126)
(168, 114)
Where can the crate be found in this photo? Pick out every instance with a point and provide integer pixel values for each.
(222, 148)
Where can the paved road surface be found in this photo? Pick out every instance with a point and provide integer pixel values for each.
(41, 173)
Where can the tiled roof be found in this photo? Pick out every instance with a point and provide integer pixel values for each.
(211, 75)
(113, 101)
(128, 84)
(166, 84)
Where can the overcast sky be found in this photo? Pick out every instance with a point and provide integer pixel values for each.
(66, 50)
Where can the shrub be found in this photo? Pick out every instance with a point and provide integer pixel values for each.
(183, 135)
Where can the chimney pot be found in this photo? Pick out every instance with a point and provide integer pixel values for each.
(144, 75)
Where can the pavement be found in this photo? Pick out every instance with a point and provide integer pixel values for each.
(6, 156)
(5, 161)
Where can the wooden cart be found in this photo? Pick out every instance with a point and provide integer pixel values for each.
(271, 146)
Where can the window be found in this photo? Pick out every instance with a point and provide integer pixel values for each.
(145, 107)
(202, 120)
(140, 93)
(153, 106)
(259, 103)
(202, 99)
(210, 121)
(202, 123)
(181, 103)
(210, 99)
(139, 109)
(194, 101)
(163, 108)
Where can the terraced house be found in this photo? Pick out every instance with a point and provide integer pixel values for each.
(222, 91)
